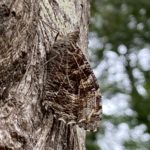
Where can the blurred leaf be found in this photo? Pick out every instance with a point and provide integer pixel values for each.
(124, 22)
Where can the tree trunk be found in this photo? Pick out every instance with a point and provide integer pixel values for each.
(28, 29)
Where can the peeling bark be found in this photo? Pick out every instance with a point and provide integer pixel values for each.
(28, 29)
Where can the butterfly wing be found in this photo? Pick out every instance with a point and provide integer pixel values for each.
(71, 88)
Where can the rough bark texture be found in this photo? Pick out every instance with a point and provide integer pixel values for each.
(27, 31)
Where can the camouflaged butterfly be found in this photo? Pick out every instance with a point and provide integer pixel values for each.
(71, 89)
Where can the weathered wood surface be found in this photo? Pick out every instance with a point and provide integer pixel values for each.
(27, 31)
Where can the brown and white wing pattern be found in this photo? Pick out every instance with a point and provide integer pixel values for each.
(71, 88)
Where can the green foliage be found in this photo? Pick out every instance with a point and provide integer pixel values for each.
(132, 145)
(117, 17)
(90, 142)
(125, 23)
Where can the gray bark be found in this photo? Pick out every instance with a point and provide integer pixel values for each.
(28, 29)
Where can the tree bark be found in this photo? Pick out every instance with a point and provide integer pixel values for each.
(28, 29)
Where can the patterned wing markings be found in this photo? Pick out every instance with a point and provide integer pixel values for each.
(71, 88)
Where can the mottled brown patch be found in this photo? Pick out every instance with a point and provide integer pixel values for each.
(71, 88)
